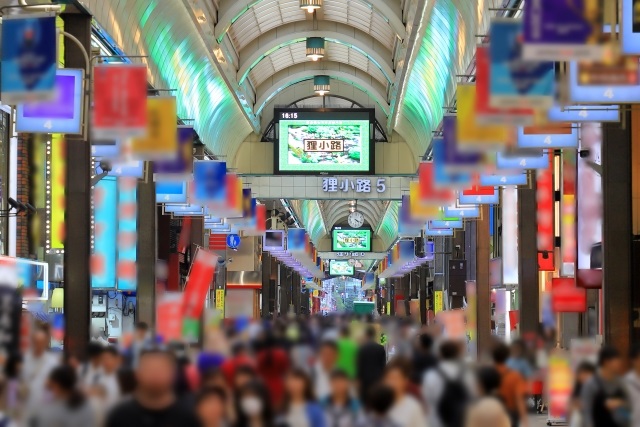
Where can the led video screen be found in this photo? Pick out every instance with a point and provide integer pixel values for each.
(340, 268)
(351, 240)
(328, 141)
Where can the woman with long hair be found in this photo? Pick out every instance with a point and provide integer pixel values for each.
(253, 408)
(300, 408)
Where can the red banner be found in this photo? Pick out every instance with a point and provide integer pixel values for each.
(566, 297)
(198, 283)
(427, 191)
(119, 101)
(169, 319)
(544, 198)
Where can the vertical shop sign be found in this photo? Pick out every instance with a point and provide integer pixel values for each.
(105, 216)
(181, 167)
(560, 385)
(472, 135)
(57, 182)
(127, 234)
(437, 302)
(568, 208)
(198, 282)
(510, 236)
(160, 141)
(544, 216)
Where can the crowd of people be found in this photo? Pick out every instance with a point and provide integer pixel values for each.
(328, 371)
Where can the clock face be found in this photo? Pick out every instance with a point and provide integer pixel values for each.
(356, 219)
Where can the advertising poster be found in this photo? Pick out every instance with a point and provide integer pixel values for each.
(561, 30)
(160, 141)
(442, 177)
(60, 114)
(454, 158)
(472, 135)
(419, 209)
(119, 101)
(29, 58)
(181, 167)
(510, 236)
(557, 135)
(630, 37)
(324, 144)
(545, 209)
(296, 239)
(127, 239)
(438, 301)
(428, 194)
(407, 226)
(105, 215)
(589, 198)
(220, 300)
(566, 297)
(209, 181)
(169, 325)
(599, 93)
(568, 214)
(198, 282)
(485, 113)
(560, 386)
(515, 82)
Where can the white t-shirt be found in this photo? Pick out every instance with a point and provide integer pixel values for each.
(407, 412)
(35, 373)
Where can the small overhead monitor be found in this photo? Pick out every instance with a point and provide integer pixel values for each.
(273, 240)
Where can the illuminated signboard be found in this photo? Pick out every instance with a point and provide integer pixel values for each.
(62, 114)
(105, 216)
(538, 160)
(171, 192)
(601, 94)
(548, 140)
(340, 268)
(312, 142)
(584, 113)
(480, 199)
(347, 240)
(504, 180)
(462, 212)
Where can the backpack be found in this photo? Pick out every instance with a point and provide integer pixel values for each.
(453, 401)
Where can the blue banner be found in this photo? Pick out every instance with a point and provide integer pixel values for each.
(103, 259)
(441, 176)
(29, 58)
(548, 140)
(524, 161)
(209, 181)
(171, 192)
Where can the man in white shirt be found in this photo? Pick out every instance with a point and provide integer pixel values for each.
(108, 385)
(632, 381)
(406, 410)
(89, 373)
(38, 364)
(326, 363)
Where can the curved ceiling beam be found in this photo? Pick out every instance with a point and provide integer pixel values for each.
(300, 37)
(240, 7)
(301, 76)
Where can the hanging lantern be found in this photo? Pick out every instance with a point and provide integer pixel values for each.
(321, 85)
(315, 48)
(310, 5)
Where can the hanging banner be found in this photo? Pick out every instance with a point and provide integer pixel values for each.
(168, 315)
(220, 300)
(630, 32)
(105, 217)
(209, 181)
(198, 283)
(560, 31)
(560, 385)
(127, 271)
(486, 196)
(568, 216)
(428, 194)
(60, 114)
(181, 168)
(485, 113)
(509, 179)
(545, 208)
(560, 135)
(472, 135)
(599, 94)
(566, 297)
(29, 58)
(119, 101)
(171, 192)
(514, 81)
(160, 141)
(442, 177)
(419, 210)
(454, 159)
(589, 193)
(510, 263)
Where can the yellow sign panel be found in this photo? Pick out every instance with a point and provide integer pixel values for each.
(161, 141)
(388, 307)
(470, 133)
(220, 300)
(58, 178)
(418, 208)
(437, 302)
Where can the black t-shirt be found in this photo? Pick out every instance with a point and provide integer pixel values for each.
(132, 414)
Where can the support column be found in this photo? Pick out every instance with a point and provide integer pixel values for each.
(423, 273)
(529, 298)
(146, 292)
(266, 284)
(617, 232)
(295, 292)
(483, 292)
(77, 278)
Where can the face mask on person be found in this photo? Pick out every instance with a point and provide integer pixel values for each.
(251, 406)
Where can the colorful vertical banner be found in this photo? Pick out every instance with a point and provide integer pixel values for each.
(127, 242)
(566, 297)
(168, 315)
(560, 386)
(198, 283)
(220, 300)
(119, 101)
(568, 214)
(420, 210)
(105, 216)
(589, 198)
(428, 194)
(29, 58)
(630, 31)
(442, 177)
(209, 181)
(160, 141)
(58, 183)
(545, 209)
(181, 167)
(510, 248)
(564, 30)
(438, 305)
(454, 159)
(472, 135)
(515, 82)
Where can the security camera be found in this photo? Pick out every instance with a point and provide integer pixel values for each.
(13, 203)
(584, 153)
(105, 166)
(230, 260)
(30, 208)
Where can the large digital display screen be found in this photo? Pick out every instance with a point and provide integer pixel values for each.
(340, 268)
(347, 240)
(327, 141)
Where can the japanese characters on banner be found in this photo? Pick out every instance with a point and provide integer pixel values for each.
(29, 58)
(119, 101)
(514, 81)
(545, 212)
(561, 30)
(589, 201)
(359, 185)
(160, 142)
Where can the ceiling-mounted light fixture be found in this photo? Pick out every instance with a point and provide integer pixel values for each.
(321, 85)
(310, 5)
(315, 48)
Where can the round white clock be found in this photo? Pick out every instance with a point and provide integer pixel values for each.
(356, 219)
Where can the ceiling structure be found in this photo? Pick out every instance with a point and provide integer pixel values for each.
(232, 61)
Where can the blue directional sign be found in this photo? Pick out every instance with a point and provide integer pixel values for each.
(233, 241)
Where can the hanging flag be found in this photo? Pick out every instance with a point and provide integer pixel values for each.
(454, 159)
(198, 283)
(160, 141)
(514, 81)
(472, 135)
(29, 58)
(429, 194)
(209, 181)
(181, 167)
(119, 101)
(442, 177)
